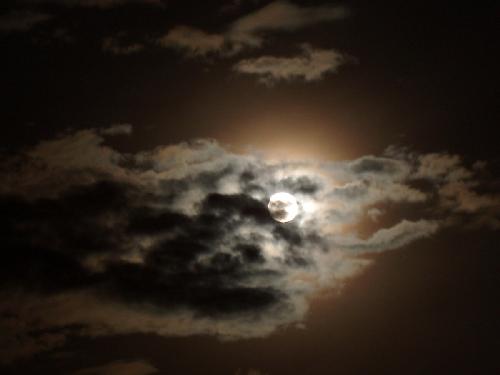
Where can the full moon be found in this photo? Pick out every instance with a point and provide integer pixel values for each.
(283, 207)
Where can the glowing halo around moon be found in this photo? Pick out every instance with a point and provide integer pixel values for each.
(283, 207)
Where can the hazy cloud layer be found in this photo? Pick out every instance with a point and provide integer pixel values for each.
(311, 65)
(115, 46)
(120, 368)
(21, 21)
(178, 240)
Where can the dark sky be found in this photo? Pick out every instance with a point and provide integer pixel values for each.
(143, 138)
(423, 76)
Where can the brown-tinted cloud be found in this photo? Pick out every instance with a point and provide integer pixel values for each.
(311, 65)
(249, 31)
(192, 41)
(281, 16)
(120, 368)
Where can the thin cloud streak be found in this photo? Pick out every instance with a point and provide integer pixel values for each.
(311, 65)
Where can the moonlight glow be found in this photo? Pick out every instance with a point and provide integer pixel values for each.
(283, 207)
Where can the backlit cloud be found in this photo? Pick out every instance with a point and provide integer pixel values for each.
(178, 241)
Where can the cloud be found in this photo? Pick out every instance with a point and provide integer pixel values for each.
(21, 21)
(312, 65)
(281, 16)
(399, 235)
(114, 46)
(374, 213)
(193, 41)
(178, 241)
(250, 30)
(118, 129)
(441, 165)
(120, 368)
(457, 186)
(460, 196)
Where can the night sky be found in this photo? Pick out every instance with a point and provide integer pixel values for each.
(142, 141)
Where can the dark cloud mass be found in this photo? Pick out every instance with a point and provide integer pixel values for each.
(178, 240)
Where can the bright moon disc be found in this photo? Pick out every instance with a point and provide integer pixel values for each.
(283, 207)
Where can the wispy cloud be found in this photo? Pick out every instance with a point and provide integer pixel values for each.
(311, 65)
(250, 30)
(118, 129)
(115, 46)
(192, 41)
(281, 16)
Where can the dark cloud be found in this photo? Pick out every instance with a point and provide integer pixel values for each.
(378, 165)
(227, 206)
(115, 46)
(179, 241)
(300, 184)
(22, 20)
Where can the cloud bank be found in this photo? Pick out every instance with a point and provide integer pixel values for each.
(178, 240)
